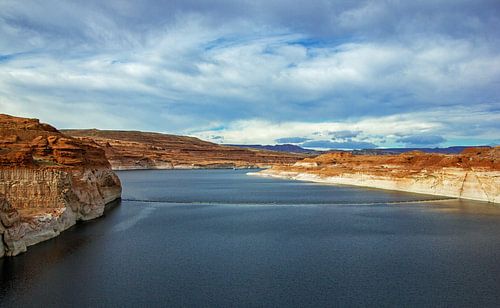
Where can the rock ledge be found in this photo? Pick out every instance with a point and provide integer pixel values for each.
(48, 182)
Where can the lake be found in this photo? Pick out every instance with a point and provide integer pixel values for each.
(221, 238)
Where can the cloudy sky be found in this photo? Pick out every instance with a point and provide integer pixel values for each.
(325, 74)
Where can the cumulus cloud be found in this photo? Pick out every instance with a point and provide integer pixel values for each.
(265, 131)
(385, 130)
(421, 140)
(191, 68)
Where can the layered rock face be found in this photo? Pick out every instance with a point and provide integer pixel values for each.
(473, 174)
(141, 150)
(48, 181)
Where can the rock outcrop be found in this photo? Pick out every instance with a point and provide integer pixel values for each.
(142, 150)
(48, 182)
(473, 174)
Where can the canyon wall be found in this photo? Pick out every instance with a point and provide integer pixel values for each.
(128, 150)
(48, 182)
(474, 174)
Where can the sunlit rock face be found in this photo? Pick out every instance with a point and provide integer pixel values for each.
(48, 181)
(143, 150)
(474, 174)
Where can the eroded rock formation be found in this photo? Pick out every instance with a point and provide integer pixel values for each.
(48, 181)
(473, 174)
(142, 150)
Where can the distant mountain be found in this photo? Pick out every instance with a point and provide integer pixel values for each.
(448, 150)
(292, 148)
(289, 148)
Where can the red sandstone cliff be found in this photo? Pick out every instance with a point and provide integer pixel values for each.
(143, 150)
(48, 181)
(473, 174)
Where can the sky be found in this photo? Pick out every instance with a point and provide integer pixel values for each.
(316, 73)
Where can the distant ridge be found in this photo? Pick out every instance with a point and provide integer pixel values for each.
(448, 150)
(292, 148)
(289, 148)
(127, 150)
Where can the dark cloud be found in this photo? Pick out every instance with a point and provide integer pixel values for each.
(421, 140)
(217, 138)
(344, 134)
(291, 140)
(326, 144)
(325, 21)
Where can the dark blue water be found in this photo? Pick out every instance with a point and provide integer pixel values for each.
(220, 238)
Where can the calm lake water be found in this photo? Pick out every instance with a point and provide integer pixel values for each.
(221, 238)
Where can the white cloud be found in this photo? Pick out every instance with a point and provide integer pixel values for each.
(261, 79)
(262, 131)
(386, 131)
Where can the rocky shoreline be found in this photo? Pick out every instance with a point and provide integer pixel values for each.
(473, 175)
(48, 182)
